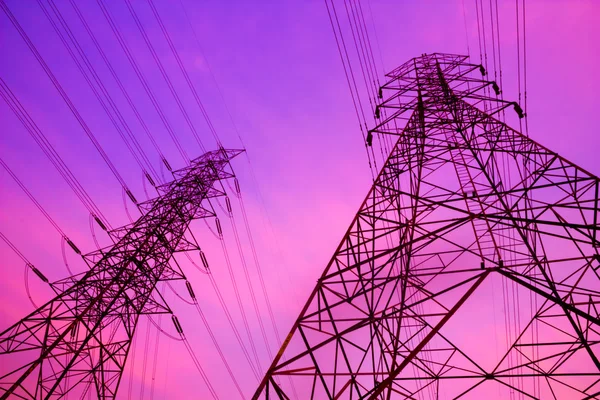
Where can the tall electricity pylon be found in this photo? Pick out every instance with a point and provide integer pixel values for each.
(77, 343)
(470, 270)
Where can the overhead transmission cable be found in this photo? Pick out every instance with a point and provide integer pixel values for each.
(213, 339)
(148, 90)
(62, 93)
(184, 72)
(258, 268)
(251, 169)
(28, 266)
(64, 237)
(479, 32)
(246, 153)
(240, 302)
(483, 41)
(466, 30)
(222, 303)
(525, 70)
(164, 74)
(32, 198)
(496, 68)
(131, 358)
(385, 144)
(262, 284)
(92, 77)
(232, 325)
(519, 86)
(156, 346)
(15, 249)
(365, 68)
(118, 80)
(348, 73)
(248, 279)
(358, 22)
(42, 141)
(500, 74)
(200, 49)
(386, 138)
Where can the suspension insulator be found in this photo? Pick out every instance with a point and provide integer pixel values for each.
(131, 196)
(518, 110)
(70, 243)
(219, 230)
(237, 185)
(177, 324)
(100, 223)
(228, 204)
(501, 263)
(203, 259)
(369, 138)
(167, 164)
(377, 112)
(190, 290)
(496, 88)
(482, 70)
(381, 93)
(482, 265)
(38, 273)
(149, 179)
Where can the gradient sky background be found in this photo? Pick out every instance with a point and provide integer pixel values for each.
(279, 71)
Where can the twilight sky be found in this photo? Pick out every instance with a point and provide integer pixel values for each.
(278, 69)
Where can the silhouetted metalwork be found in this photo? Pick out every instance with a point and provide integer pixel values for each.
(77, 343)
(471, 268)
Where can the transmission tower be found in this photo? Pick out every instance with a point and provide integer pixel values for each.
(77, 343)
(471, 268)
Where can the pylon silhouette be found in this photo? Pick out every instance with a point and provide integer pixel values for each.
(78, 342)
(470, 270)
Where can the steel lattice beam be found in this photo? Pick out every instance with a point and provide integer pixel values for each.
(464, 204)
(78, 342)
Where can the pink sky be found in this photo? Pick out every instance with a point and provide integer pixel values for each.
(279, 71)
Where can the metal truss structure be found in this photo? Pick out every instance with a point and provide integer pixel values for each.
(77, 343)
(470, 270)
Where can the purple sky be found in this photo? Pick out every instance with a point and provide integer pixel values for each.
(278, 69)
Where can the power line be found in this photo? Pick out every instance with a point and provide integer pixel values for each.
(217, 346)
(141, 159)
(32, 198)
(132, 61)
(466, 30)
(62, 93)
(28, 266)
(518, 54)
(164, 74)
(42, 141)
(257, 263)
(525, 70)
(348, 73)
(240, 302)
(262, 284)
(249, 281)
(232, 325)
(184, 72)
(117, 79)
(122, 282)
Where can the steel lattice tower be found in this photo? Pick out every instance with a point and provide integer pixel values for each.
(465, 210)
(77, 343)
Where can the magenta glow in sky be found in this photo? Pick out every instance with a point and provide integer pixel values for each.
(277, 66)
